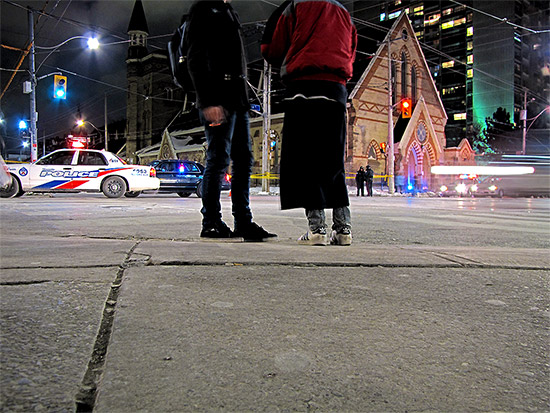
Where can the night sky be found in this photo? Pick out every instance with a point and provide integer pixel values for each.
(91, 73)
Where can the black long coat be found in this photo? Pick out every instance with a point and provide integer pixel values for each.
(312, 152)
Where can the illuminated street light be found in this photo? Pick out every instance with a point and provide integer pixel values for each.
(81, 123)
(22, 124)
(93, 43)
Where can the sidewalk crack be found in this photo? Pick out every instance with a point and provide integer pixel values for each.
(87, 393)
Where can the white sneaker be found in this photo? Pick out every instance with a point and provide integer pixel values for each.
(318, 237)
(341, 238)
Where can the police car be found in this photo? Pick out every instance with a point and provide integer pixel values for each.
(80, 170)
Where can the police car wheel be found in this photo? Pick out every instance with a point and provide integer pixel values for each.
(113, 187)
(199, 189)
(132, 194)
(184, 194)
(11, 190)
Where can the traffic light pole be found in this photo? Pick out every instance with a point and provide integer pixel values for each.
(33, 129)
(391, 181)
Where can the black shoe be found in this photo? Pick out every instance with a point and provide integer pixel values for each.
(219, 230)
(253, 232)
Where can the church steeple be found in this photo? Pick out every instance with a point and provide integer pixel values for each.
(138, 32)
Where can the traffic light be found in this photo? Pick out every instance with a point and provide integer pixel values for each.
(406, 108)
(383, 147)
(60, 87)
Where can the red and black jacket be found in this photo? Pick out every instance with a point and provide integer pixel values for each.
(311, 40)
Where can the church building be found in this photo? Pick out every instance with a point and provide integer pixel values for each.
(419, 137)
(152, 98)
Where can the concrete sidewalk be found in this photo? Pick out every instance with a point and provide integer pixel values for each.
(204, 326)
(110, 309)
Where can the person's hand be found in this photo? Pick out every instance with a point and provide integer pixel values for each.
(214, 115)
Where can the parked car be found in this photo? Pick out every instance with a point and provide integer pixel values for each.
(80, 170)
(183, 177)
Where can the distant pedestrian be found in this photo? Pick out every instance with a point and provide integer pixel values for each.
(400, 183)
(217, 67)
(369, 174)
(314, 42)
(360, 181)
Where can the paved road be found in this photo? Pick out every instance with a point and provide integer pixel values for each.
(439, 305)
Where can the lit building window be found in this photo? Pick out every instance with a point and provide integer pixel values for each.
(470, 31)
(470, 58)
(459, 116)
(446, 65)
(470, 73)
(446, 12)
(397, 2)
(433, 19)
(382, 17)
(394, 15)
(470, 45)
(418, 11)
(453, 23)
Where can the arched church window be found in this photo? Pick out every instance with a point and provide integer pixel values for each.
(403, 75)
(372, 153)
(413, 85)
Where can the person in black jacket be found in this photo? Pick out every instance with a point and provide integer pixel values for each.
(217, 67)
(369, 176)
(360, 181)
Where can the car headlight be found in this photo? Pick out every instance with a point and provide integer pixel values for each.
(493, 188)
(461, 188)
(473, 188)
(443, 188)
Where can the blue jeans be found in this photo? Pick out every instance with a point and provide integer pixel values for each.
(227, 142)
(341, 218)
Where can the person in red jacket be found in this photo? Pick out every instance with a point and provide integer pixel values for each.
(314, 43)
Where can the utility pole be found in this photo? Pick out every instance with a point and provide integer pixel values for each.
(32, 129)
(524, 115)
(391, 182)
(266, 126)
(106, 133)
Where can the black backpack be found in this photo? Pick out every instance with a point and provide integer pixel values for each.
(177, 52)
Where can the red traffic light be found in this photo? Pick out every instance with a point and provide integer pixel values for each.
(406, 108)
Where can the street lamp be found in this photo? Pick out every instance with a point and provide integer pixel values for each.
(81, 123)
(32, 56)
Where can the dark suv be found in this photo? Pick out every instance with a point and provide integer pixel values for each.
(183, 177)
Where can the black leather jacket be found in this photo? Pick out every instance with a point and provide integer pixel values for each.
(216, 56)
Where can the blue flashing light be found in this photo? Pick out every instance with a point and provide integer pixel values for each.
(410, 187)
(22, 124)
